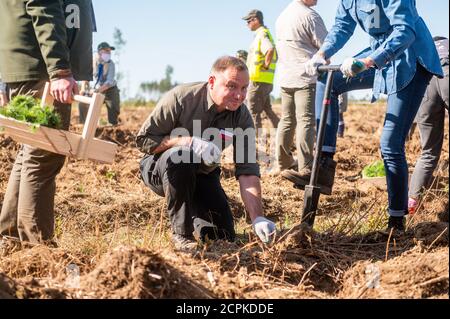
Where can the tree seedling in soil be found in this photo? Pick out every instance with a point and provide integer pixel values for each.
(375, 169)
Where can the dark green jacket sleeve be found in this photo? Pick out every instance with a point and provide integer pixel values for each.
(49, 25)
(33, 39)
(159, 124)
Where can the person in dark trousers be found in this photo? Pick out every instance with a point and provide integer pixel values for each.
(105, 83)
(430, 120)
(183, 139)
(405, 59)
(41, 41)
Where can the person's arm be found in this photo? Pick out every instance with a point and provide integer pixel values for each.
(316, 30)
(50, 29)
(401, 15)
(342, 30)
(170, 142)
(110, 78)
(269, 57)
(250, 187)
(269, 50)
(154, 136)
(248, 174)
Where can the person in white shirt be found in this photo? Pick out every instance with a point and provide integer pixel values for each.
(300, 32)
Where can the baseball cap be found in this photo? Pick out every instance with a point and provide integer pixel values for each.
(105, 45)
(254, 14)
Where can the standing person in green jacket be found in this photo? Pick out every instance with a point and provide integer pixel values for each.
(41, 41)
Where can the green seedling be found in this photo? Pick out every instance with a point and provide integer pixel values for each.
(374, 170)
(28, 109)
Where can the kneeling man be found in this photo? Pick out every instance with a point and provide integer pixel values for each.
(183, 139)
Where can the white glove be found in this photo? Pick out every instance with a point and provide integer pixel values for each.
(312, 65)
(352, 67)
(264, 228)
(207, 151)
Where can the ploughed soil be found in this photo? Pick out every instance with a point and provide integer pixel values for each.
(112, 235)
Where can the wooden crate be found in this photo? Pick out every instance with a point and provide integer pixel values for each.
(84, 146)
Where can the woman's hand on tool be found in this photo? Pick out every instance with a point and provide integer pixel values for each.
(351, 67)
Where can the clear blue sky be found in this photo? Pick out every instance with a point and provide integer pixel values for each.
(191, 34)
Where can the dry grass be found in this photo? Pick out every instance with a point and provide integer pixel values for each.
(116, 232)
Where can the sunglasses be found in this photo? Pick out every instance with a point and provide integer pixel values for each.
(250, 20)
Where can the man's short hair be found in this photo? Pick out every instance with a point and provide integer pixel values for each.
(224, 63)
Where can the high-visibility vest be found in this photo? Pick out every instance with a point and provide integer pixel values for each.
(257, 59)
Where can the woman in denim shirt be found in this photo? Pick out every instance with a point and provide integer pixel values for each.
(405, 59)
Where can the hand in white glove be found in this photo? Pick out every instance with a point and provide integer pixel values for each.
(207, 151)
(351, 67)
(312, 65)
(264, 228)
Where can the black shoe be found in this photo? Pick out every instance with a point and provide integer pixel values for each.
(395, 228)
(396, 223)
(184, 243)
(325, 181)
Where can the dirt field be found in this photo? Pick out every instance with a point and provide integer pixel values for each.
(113, 237)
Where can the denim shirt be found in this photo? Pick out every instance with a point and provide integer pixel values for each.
(399, 40)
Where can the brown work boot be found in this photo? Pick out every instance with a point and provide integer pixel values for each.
(325, 181)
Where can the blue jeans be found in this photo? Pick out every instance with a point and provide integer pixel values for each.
(402, 108)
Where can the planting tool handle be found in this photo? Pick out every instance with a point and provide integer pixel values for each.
(95, 103)
(328, 68)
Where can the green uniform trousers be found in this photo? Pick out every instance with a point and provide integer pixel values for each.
(28, 208)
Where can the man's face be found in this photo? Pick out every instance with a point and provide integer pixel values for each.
(253, 24)
(229, 89)
(310, 3)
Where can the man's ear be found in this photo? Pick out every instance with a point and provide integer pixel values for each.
(211, 81)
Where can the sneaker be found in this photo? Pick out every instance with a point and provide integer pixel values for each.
(325, 180)
(205, 231)
(413, 204)
(184, 243)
